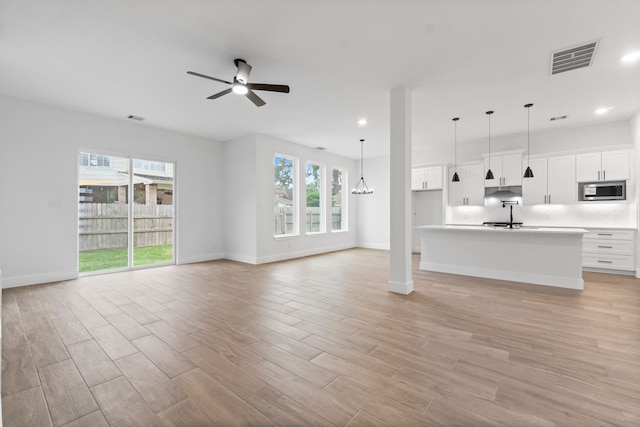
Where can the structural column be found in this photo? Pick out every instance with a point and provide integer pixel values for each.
(635, 136)
(400, 280)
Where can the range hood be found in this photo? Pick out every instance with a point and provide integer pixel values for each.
(503, 192)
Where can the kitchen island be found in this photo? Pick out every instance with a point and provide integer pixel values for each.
(542, 256)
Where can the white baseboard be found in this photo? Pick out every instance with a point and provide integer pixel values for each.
(199, 258)
(241, 258)
(404, 288)
(382, 246)
(36, 279)
(299, 254)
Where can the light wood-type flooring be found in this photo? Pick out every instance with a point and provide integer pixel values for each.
(319, 341)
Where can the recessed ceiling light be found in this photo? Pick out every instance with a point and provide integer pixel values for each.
(362, 122)
(631, 57)
(603, 110)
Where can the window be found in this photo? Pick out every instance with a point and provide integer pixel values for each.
(315, 223)
(284, 171)
(148, 165)
(125, 219)
(94, 160)
(338, 199)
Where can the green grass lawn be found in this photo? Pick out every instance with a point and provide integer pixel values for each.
(117, 258)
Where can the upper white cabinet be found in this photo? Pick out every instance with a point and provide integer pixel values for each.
(507, 170)
(429, 178)
(553, 181)
(561, 185)
(470, 189)
(602, 166)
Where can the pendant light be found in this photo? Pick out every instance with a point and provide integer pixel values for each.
(528, 173)
(489, 173)
(361, 187)
(455, 178)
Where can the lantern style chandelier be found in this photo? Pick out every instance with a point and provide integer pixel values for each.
(362, 187)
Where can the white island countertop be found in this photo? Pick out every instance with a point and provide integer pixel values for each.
(538, 255)
(482, 228)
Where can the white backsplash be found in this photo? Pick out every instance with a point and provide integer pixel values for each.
(591, 214)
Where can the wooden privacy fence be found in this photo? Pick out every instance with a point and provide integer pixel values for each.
(284, 219)
(104, 225)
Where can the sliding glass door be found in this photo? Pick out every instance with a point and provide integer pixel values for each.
(152, 212)
(125, 211)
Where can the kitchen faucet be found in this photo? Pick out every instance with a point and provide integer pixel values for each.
(510, 203)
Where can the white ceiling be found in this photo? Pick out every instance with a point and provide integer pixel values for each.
(340, 57)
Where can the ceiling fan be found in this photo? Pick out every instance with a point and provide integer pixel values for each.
(241, 84)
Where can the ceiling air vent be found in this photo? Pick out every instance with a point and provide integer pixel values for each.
(573, 58)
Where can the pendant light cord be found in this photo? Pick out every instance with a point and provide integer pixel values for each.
(455, 143)
(362, 158)
(528, 107)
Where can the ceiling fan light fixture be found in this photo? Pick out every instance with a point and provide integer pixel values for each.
(239, 88)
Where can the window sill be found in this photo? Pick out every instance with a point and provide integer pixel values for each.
(285, 236)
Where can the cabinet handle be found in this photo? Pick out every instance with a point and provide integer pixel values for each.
(549, 198)
(605, 234)
(605, 262)
(604, 175)
(598, 175)
(605, 247)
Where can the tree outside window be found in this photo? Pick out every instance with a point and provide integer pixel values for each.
(284, 186)
(314, 197)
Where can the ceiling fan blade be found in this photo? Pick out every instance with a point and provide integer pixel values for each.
(272, 88)
(255, 98)
(207, 77)
(219, 94)
(244, 70)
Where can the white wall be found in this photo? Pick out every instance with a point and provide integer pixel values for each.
(250, 234)
(374, 210)
(240, 229)
(39, 148)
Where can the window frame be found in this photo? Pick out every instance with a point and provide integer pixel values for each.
(321, 196)
(294, 196)
(344, 196)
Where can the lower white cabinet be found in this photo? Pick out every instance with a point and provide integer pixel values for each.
(610, 249)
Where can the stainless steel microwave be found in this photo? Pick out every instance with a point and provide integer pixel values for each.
(596, 191)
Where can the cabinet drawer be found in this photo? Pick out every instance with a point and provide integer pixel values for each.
(610, 234)
(608, 247)
(612, 262)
